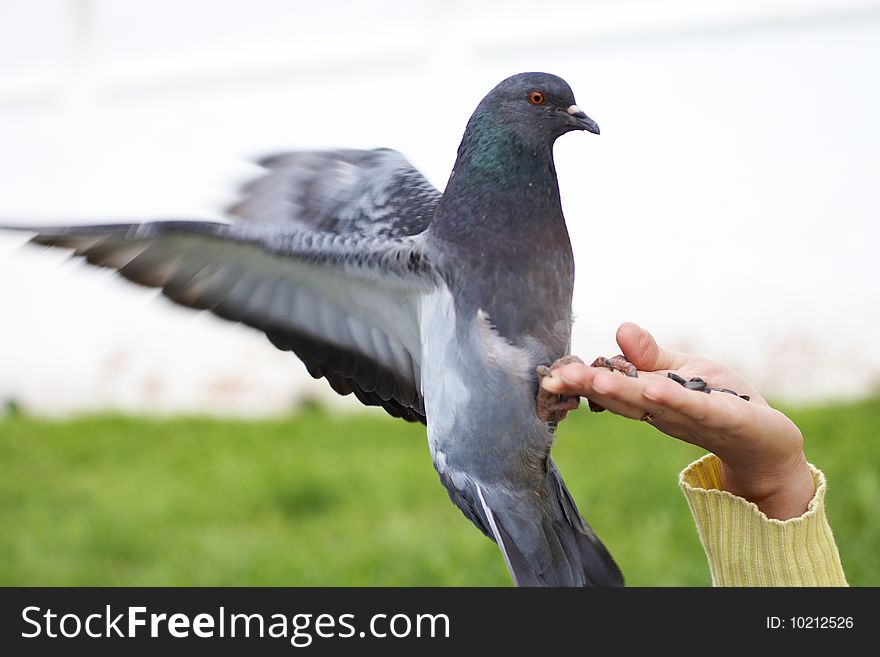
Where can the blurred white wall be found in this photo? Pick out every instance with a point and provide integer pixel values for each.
(730, 204)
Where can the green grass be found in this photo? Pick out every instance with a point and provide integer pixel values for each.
(320, 499)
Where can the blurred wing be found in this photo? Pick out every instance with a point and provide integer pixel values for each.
(345, 304)
(374, 192)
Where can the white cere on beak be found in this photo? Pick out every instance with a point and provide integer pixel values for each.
(574, 109)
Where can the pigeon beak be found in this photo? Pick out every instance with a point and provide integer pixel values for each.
(583, 122)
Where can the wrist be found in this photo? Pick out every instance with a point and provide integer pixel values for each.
(780, 494)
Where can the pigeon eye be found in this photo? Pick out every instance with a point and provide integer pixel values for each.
(536, 98)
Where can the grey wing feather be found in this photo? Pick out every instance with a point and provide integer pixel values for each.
(346, 304)
(376, 192)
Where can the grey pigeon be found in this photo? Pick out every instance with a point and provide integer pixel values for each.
(436, 307)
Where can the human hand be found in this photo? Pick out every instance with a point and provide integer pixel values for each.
(761, 450)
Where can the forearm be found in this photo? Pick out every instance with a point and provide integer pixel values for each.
(746, 548)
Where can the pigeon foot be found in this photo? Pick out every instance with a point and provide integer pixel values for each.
(550, 407)
(615, 364)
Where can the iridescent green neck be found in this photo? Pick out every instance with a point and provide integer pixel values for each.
(503, 187)
(493, 153)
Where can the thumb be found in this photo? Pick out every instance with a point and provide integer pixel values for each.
(640, 349)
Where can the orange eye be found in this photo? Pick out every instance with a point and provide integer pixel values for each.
(536, 98)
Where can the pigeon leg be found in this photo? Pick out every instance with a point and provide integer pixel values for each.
(550, 407)
(615, 363)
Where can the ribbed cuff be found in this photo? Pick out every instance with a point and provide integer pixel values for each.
(746, 548)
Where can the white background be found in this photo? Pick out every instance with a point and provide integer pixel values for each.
(730, 205)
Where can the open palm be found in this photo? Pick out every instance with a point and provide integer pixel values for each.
(761, 450)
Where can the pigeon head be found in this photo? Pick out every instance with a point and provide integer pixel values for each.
(509, 138)
(535, 107)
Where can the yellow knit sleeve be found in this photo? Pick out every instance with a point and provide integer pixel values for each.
(746, 548)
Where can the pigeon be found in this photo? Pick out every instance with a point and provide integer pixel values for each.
(442, 308)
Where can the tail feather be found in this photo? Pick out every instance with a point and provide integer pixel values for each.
(545, 541)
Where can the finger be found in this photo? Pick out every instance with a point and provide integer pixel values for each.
(619, 394)
(625, 396)
(571, 379)
(618, 407)
(622, 395)
(578, 379)
(703, 411)
(641, 349)
(623, 388)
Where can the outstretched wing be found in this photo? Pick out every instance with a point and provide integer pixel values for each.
(375, 192)
(346, 304)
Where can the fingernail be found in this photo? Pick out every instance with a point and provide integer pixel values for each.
(553, 383)
(561, 374)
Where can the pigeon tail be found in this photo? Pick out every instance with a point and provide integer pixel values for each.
(543, 538)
